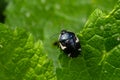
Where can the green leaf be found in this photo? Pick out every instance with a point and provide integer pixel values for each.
(46, 18)
(100, 56)
(21, 58)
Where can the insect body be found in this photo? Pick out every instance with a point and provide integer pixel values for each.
(69, 43)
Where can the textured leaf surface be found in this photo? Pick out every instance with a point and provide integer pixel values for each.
(21, 58)
(100, 56)
(46, 18)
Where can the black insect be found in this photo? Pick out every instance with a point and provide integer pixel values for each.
(69, 43)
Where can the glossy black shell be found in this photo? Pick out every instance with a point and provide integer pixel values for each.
(69, 43)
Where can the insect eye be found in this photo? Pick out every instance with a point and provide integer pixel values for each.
(63, 42)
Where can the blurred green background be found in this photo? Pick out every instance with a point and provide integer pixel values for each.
(44, 18)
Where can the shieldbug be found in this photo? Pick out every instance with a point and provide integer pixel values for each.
(69, 43)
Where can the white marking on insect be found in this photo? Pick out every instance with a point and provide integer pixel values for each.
(79, 49)
(69, 55)
(77, 40)
(63, 47)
